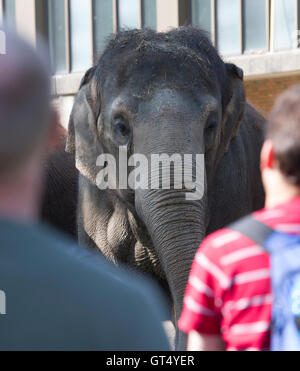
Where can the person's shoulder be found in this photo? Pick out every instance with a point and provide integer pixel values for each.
(119, 305)
(222, 239)
(223, 242)
(284, 217)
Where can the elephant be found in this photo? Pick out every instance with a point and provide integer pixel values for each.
(59, 202)
(164, 93)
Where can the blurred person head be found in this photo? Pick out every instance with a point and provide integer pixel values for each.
(280, 157)
(27, 126)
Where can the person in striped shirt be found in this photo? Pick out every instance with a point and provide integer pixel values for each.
(228, 299)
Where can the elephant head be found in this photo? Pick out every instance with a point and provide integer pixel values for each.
(155, 93)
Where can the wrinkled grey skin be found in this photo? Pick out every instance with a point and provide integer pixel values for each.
(61, 191)
(159, 231)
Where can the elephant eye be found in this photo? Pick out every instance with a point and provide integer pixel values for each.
(211, 132)
(211, 127)
(121, 130)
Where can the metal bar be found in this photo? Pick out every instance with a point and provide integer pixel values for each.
(68, 35)
(297, 34)
(41, 17)
(190, 12)
(213, 22)
(92, 41)
(268, 26)
(241, 5)
(115, 16)
(271, 25)
(141, 20)
(184, 12)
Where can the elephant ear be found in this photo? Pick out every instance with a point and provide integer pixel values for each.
(83, 138)
(234, 108)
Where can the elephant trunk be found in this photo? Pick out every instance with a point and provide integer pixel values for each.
(176, 226)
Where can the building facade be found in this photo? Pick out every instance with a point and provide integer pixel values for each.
(260, 36)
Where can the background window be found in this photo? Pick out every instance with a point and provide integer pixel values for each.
(9, 12)
(149, 14)
(228, 27)
(284, 23)
(254, 24)
(103, 23)
(83, 28)
(81, 35)
(57, 36)
(201, 14)
(128, 13)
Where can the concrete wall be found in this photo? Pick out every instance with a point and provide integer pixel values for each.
(64, 106)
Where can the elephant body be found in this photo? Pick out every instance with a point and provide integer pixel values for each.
(59, 206)
(164, 93)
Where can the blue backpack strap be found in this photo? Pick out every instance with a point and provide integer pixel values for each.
(253, 229)
(284, 250)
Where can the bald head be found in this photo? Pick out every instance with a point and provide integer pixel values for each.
(24, 102)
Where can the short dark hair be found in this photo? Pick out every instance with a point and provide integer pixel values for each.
(283, 129)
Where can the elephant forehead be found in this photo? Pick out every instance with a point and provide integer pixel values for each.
(144, 85)
(166, 102)
(143, 78)
(178, 100)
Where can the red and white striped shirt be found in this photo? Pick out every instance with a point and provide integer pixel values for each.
(229, 288)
